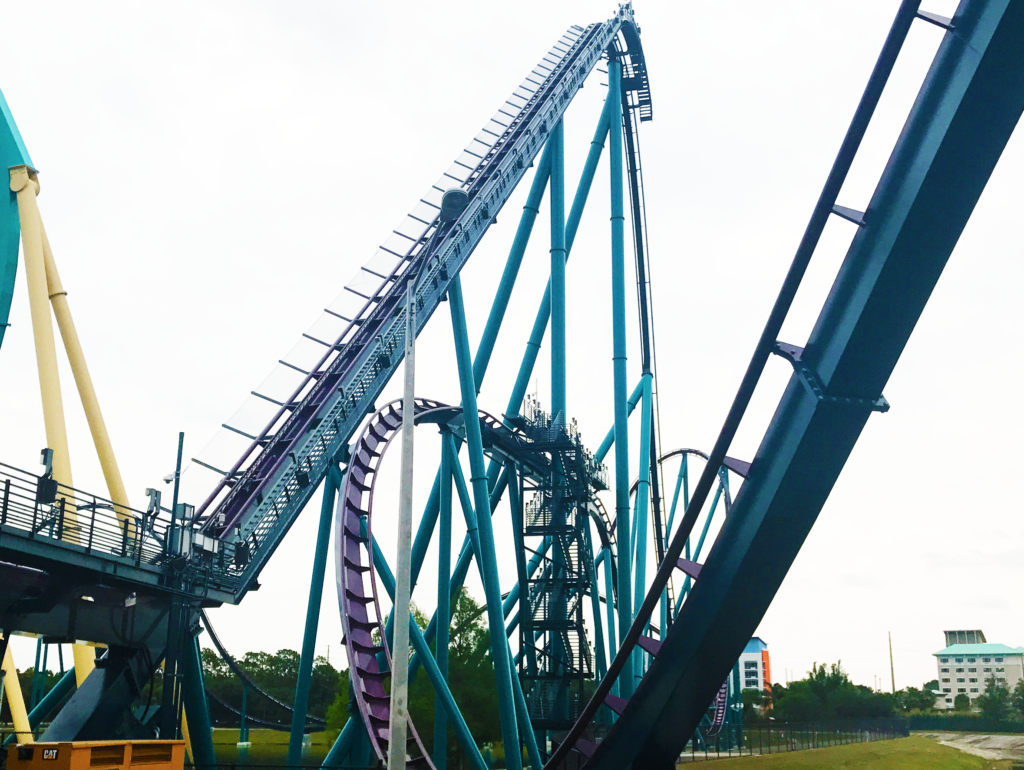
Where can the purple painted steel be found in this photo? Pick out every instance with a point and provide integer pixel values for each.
(721, 701)
(739, 467)
(690, 568)
(649, 644)
(615, 703)
(354, 502)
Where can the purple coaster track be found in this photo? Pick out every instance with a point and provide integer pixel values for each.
(360, 610)
(359, 604)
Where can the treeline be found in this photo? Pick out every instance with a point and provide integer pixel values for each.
(25, 678)
(827, 694)
(470, 678)
(276, 674)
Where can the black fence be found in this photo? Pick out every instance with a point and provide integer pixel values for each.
(779, 738)
(963, 723)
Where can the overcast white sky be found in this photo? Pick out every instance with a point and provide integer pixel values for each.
(212, 176)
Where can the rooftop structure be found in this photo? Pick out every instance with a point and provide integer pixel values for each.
(964, 637)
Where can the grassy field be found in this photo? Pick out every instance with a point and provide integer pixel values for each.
(269, 747)
(914, 753)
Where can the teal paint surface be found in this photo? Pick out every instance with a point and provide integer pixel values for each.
(618, 265)
(316, 590)
(12, 153)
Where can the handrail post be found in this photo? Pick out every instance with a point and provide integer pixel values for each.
(7, 498)
(60, 519)
(92, 526)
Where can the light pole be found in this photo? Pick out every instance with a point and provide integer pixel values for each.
(453, 203)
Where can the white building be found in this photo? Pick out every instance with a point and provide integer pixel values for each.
(968, 662)
(755, 666)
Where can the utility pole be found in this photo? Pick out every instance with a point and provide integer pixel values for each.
(892, 669)
(453, 203)
(403, 588)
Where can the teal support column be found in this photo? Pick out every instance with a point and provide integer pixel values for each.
(36, 671)
(622, 523)
(522, 713)
(508, 277)
(444, 566)
(556, 141)
(243, 727)
(643, 497)
(664, 614)
(540, 323)
(595, 606)
(12, 153)
(339, 753)
(465, 557)
(680, 480)
(489, 566)
(438, 682)
(700, 545)
(466, 503)
(45, 708)
(609, 593)
(609, 439)
(316, 590)
(481, 360)
(193, 694)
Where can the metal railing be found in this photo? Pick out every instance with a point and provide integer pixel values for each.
(38, 508)
(779, 738)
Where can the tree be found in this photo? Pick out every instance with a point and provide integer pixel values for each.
(276, 674)
(995, 703)
(1017, 698)
(470, 678)
(961, 702)
(753, 702)
(912, 699)
(828, 693)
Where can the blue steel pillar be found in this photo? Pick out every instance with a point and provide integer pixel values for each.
(243, 727)
(193, 695)
(489, 565)
(444, 567)
(609, 593)
(595, 606)
(419, 643)
(556, 141)
(643, 496)
(540, 322)
(316, 590)
(622, 528)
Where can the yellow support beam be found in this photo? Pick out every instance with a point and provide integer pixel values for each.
(25, 184)
(184, 734)
(16, 700)
(87, 393)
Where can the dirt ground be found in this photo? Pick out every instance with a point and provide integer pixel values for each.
(1006, 746)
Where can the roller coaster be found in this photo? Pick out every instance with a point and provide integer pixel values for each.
(611, 641)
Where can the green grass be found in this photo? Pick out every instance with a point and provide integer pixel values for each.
(268, 737)
(269, 747)
(913, 753)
